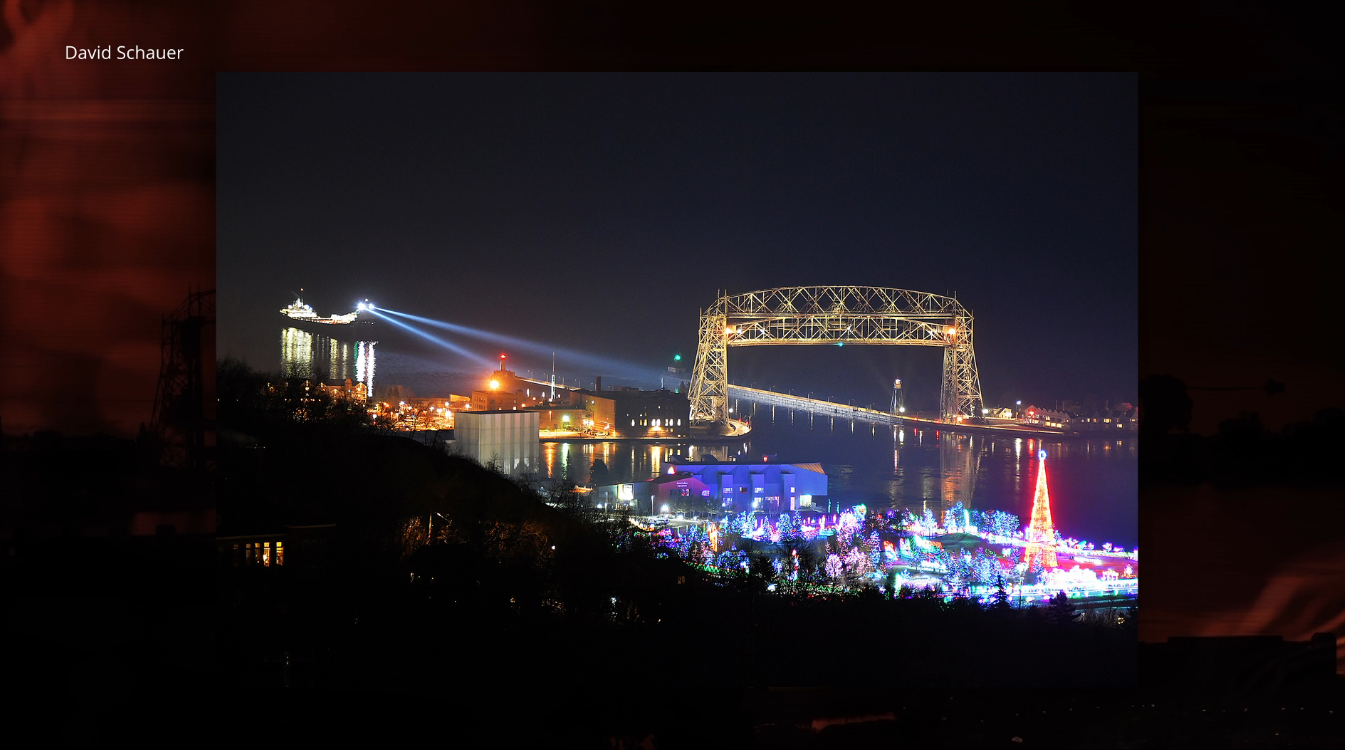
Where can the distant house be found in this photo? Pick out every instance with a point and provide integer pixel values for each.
(291, 546)
(1036, 415)
(1123, 418)
(347, 391)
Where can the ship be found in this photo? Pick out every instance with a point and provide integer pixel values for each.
(348, 326)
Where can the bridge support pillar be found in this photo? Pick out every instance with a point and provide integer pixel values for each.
(709, 391)
(960, 394)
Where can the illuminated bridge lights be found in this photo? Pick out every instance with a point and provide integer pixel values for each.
(791, 316)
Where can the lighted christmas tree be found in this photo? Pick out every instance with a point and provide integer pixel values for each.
(1041, 535)
(874, 546)
(952, 518)
(833, 567)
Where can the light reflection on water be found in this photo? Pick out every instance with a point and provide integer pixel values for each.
(304, 354)
(1093, 483)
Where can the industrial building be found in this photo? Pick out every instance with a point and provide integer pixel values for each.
(621, 412)
(564, 419)
(638, 413)
(581, 411)
(721, 488)
(509, 439)
(497, 401)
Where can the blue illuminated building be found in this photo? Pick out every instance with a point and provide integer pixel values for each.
(721, 488)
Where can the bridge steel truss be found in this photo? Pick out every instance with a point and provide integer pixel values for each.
(812, 315)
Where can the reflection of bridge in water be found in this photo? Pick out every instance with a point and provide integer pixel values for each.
(959, 453)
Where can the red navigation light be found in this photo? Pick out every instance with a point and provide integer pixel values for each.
(501, 355)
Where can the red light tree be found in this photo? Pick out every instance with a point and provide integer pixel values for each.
(1040, 531)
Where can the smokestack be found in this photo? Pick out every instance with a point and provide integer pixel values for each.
(598, 388)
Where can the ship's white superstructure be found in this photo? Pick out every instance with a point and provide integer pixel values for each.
(300, 311)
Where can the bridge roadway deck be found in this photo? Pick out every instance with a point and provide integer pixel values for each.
(817, 406)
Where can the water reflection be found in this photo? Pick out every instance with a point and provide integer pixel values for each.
(296, 353)
(306, 355)
(1094, 483)
(959, 464)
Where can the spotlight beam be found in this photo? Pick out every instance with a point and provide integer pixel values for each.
(482, 361)
(533, 347)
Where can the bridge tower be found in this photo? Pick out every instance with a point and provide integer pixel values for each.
(835, 315)
(1040, 531)
(709, 391)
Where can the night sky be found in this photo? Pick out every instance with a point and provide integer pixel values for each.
(600, 212)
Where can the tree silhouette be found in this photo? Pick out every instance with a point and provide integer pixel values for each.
(1061, 612)
(1001, 596)
(599, 475)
